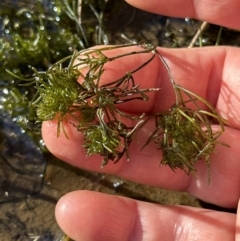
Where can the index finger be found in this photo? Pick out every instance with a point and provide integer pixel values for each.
(220, 12)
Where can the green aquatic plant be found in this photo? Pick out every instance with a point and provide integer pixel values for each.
(72, 87)
(76, 91)
(184, 133)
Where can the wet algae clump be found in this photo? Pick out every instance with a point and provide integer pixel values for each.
(93, 107)
(182, 134)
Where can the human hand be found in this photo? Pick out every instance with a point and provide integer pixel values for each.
(212, 73)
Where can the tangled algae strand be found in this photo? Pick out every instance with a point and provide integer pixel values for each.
(72, 87)
(184, 133)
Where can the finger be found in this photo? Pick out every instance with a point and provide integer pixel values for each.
(85, 215)
(221, 12)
